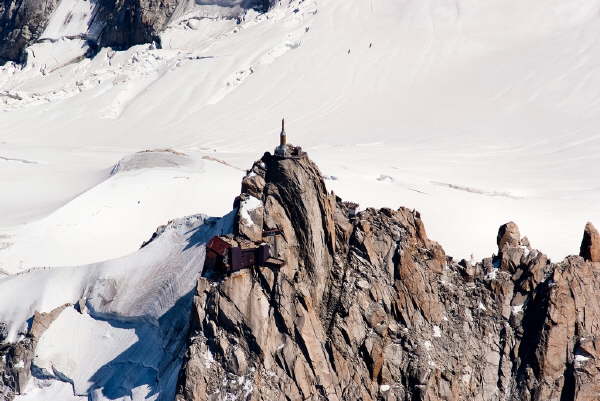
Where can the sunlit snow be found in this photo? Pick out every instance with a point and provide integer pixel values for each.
(478, 112)
(472, 112)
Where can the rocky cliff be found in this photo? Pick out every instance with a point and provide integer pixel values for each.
(114, 23)
(367, 307)
(21, 23)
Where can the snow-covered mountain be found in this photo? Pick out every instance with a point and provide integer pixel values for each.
(117, 117)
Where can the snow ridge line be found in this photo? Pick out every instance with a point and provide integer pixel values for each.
(24, 161)
(476, 190)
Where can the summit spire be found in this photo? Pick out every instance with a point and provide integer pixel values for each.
(282, 136)
(285, 150)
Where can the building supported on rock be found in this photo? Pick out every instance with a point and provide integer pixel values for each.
(251, 245)
(226, 254)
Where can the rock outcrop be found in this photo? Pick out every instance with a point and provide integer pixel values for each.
(367, 307)
(16, 358)
(133, 22)
(21, 23)
(508, 236)
(590, 244)
(116, 24)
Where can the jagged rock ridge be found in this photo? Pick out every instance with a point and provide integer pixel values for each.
(367, 307)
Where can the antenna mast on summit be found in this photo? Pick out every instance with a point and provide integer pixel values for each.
(282, 136)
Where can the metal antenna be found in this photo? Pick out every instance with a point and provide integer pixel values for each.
(282, 136)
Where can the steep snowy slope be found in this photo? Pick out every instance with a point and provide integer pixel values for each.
(125, 340)
(472, 112)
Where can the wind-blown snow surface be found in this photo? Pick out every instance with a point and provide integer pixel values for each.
(473, 112)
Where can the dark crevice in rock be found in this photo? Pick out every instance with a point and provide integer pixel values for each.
(568, 390)
(533, 324)
(303, 348)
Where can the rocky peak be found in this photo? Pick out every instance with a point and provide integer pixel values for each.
(367, 307)
(292, 198)
(508, 236)
(301, 330)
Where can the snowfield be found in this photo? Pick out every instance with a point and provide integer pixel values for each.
(475, 113)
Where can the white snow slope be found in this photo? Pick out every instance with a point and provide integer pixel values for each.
(128, 342)
(473, 112)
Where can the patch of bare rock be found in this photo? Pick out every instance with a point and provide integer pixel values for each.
(16, 357)
(367, 307)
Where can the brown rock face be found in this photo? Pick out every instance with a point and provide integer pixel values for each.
(368, 308)
(590, 244)
(559, 358)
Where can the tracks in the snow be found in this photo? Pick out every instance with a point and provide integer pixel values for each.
(23, 161)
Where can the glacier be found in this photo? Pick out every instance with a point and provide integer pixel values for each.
(478, 112)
